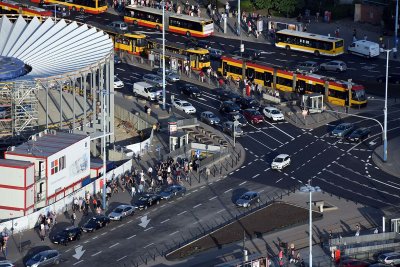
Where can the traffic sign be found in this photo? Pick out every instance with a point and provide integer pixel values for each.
(197, 152)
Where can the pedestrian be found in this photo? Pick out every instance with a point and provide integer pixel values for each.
(187, 69)
(133, 191)
(337, 32)
(317, 16)
(42, 232)
(365, 37)
(354, 33)
(150, 172)
(376, 231)
(73, 218)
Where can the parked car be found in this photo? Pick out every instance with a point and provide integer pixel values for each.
(119, 25)
(391, 258)
(121, 212)
(342, 129)
(280, 162)
(67, 235)
(44, 258)
(170, 75)
(6, 263)
(253, 116)
(237, 117)
(248, 53)
(248, 102)
(184, 106)
(190, 90)
(248, 199)
(153, 79)
(392, 78)
(353, 263)
(229, 107)
(308, 67)
(364, 48)
(215, 53)
(118, 83)
(173, 191)
(228, 127)
(229, 96)
(95, 223)
(147, 200)
(334, 65)
(209, 118)
(359, 135)
(273, 114)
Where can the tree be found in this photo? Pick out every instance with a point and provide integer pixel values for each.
(264, 4)
(289, 6)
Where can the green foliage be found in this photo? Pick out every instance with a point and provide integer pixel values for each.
(246, 5)
(342, 11)
(289, 6)
(264, 4)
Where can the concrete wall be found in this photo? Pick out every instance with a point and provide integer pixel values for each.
(368, 13)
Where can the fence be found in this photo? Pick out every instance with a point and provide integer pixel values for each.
(139, 120)
(30, 221)
(139, 148)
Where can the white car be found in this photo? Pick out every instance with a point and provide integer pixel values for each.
(280, 162)
(184, 106)
(170, 75)
(153, 79)
(118, 83)
(273, 114)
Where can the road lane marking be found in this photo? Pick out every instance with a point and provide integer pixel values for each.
(132, 236)
(147, 229)
(182, 212)
(255, 176)
(259, 142)
(198, 205)
(174, 233)
(278, 180)
(148, 245)
(116, 244)
(228, 190)
(87, 241)
(122, 258)
(270, 135)
(103, 233)
(120, 69)
(242, 183)
(213, 198)
(165, 221)
(97, 253)
(77, 262)
(220, 211)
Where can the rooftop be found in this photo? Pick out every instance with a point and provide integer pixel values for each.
(15, 163)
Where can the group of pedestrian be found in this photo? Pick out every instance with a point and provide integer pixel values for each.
(45, 224)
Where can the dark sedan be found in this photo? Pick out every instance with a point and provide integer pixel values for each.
(190, 90)
(248, 53)
(392, 78)
(173, 190)
(95, 223)
(68, 234)
(359, 135)
(248, 102)
(229, 96)
(253, 116)
(229, 107)
(44, 258)
(147, 200)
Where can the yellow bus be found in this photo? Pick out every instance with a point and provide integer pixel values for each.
(199, 57)
(309, 42)
(11, 7)
(87, 6)
(178, 23)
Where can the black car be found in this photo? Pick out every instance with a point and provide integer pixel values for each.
(392, 78)
(190, 90)
(248, 53)
(95, 223)
(147, 200)
(229, 107)
(248, 102)
(68, 234)
(237, 117)
(198, 43)
(359, 135)
(173, 190)
(229, 96)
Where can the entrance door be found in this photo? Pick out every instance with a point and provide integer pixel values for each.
(395, 225)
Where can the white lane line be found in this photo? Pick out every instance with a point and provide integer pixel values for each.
(122, 258)
(120, 69)
(97, 253)
(278, 180)
(174, 233)
(77, 262)
(268, 135)
(213, 198)
(195, 190)
(165, 221)
(261, 191)
(132, 236)
(257, 175)
(103, 233)
(220, 211)
(68, 250)
(183, 212)
(198, 205)
(242, 183)
(147, 229)
(116, 244)
(281, 131)
(259, 142)
(228, 190)
(87, 241)
(148, 245)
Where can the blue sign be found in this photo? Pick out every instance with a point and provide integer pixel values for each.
(197, 152)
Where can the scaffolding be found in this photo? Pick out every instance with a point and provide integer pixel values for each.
(19, 119)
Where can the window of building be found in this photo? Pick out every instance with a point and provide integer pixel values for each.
(57, 165)
(62, 163)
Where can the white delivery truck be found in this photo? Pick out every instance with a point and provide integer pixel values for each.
(364, 48)
(146, 90)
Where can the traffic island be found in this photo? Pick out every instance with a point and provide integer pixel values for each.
(273, 217)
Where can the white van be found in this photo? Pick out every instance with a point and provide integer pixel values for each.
(146, 90)
(364, 48)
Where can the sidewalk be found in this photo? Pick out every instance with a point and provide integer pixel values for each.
(391, 166)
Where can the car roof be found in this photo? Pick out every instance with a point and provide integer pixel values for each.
(207, 112)
(71, 228)
(250, 109)
(123, 206)
(271, 108)
(282, 156)
(345, 124)
(250, 193)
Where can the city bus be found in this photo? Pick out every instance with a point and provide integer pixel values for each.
(335, 91)
(199, 57)
(178, 23)
(309, 43)
(87, 6)
(11, 7)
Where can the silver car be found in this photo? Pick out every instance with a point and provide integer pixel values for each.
(334, 65)
(119, 25)
(342, 129)
(248, 199)
(153, 79)
(227, 127)
(209, 118)
(121, 212)
(308, 67)
(391, 258)
(170, 75)
(44, 258)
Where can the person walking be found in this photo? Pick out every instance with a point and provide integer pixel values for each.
(133, 191)
(42, 232)
(150, 172)
(73, 218)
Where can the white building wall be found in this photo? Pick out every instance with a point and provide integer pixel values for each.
(12, 176)
(12, 198)
(30, 175)
(5, 214)
(30, 196)
(77, 166)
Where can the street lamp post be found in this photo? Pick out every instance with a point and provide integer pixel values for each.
(163, 52)
(396, 25)
(238, 20)
(310, 189)
(55, 11)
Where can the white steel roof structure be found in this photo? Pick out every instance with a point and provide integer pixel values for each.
(52, 49)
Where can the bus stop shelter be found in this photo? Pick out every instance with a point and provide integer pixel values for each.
(172, 60)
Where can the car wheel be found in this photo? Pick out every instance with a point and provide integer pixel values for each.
(287, 48)
(157, 27)
(135, 22)
(149, 98)
(191, 95)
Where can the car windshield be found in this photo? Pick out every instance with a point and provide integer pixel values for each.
(143, 198)
(255, 112)
(118, 210)
(275, 112)
(153, 89)
(358, 95)
(278, 160)
(186, 105)
(340, 127)
(212, 115)
(168, 190)
(37, 257)
(246, 197)
(92, 220)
